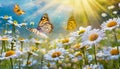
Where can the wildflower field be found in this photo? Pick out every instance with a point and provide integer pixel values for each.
(79, 47)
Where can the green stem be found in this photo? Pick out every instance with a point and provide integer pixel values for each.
(37, 44)
(12, 45)
(21, 44)
(41, 62)
(19, 64)
(95, 54)
(3, 47)
(11, 63)
(84, 54)
(81, 64)
(57, 64)
(13, 30)
(28, 60)
(116, 44)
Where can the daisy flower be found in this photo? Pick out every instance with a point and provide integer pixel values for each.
(6, 38)
(32, 53)
(81, 31)
(76, 46)
(22, 39)
(43, 51)
(6, 17)
(11, 54)
(78, 55)
(115, 12)
(55, 43)
(8, 32)
(79, 46)
(32, 23)
(66, 41)
(55, 54)
(23, 24)
(111, 24)
(114, 53)
(33, 48)
(30, 63)
(30, 50)
(14, 23)
(118, 4)
(108, 53)
(111, 7)
(92, 37)
(103, 14)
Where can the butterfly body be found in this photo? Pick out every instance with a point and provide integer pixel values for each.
(17, 10)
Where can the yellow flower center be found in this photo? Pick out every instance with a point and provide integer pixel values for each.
(15, 22)
(114, 52)
(23, 24)
(29, 62)
(9, 53)
(81, 31)
(5, 17)
(78, 54)
(56, 54)
(77, 46)
(66, 40)
(37, 42)
(21, 49)
(21, 39)
(89, 68)
(93, 37)
(33, 48)
(111, 24)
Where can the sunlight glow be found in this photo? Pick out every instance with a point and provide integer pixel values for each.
(83, 10)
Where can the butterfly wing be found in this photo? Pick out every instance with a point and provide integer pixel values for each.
(43, 20)
(71, 24)
(17, 10)
(20, 12)
(47, 28)
(36, 32)
(45, 25)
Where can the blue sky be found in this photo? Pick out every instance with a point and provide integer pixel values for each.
(29, 6)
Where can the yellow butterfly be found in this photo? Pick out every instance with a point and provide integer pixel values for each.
(71, 24)
(17, 10)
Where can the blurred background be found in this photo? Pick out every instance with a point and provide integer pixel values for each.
(85, 12)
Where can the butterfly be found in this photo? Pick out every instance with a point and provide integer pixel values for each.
(44, 26)
(71, 24)
(17, 10)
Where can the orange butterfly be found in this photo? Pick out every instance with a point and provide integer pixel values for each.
(17, 10)
(44, 26)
